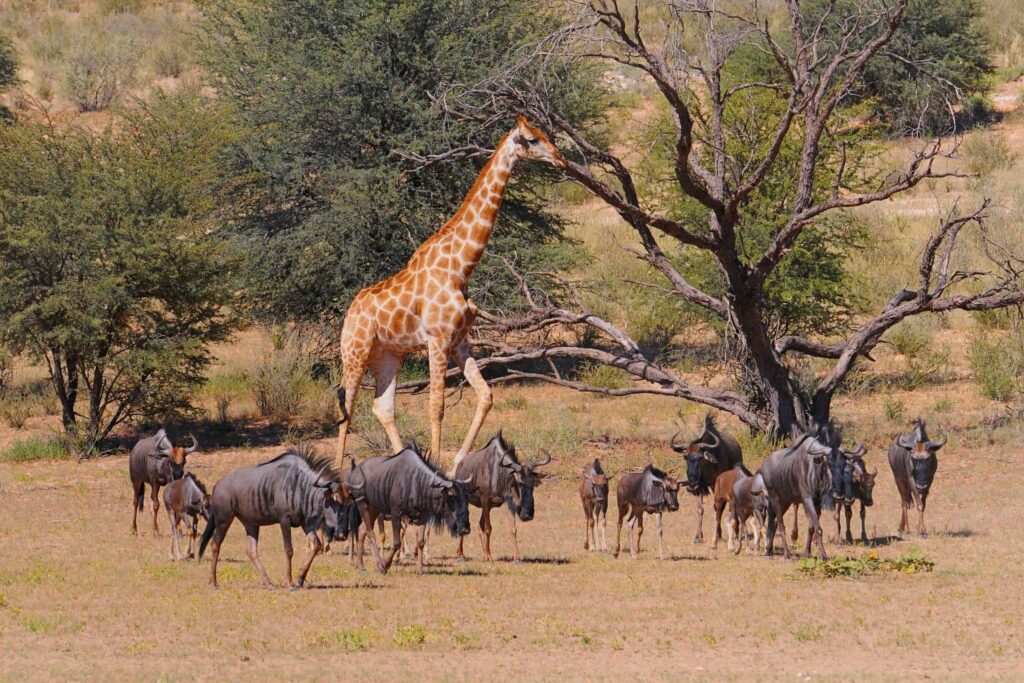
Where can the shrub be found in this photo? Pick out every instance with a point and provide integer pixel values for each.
(35, 449)
(910, 340)
(895, 409)
(988, 151)
(604, 376)
(409, 634)
(349, 639)
(996, 319)
(168, 59)
(98, 68)
(6, 367)
(16, 410)
(997, 366)
(280, 382)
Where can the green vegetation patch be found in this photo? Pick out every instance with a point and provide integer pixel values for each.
(913, 562)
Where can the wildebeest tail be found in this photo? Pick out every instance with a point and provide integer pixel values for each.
(341, 406)
(140, 495)
(211, 524)
(771, 522)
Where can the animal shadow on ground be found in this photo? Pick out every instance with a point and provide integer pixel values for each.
(365, 585)
(681, 558)
(880, 541)
(954, 533)
(537, 560)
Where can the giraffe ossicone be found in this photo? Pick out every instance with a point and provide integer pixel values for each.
(425, 306)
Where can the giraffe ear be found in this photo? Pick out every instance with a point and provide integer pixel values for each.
(521, 120)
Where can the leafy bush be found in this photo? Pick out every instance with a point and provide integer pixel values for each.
(35, 449)
(997, 319)
(348, 639)
(997, 366)
(409, 635)
(16, 410)
(6, 367)
(913, 562)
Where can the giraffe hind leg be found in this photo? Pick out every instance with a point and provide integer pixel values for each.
(385, 367)
(354, 361)
(471, 372)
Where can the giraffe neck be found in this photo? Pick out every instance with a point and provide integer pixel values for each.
(470, 229)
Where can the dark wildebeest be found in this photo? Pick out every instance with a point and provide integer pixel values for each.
(295, 489)
(186, 500)
(651, 491)
(798, 474)
(707, 456)
(594, 496)
(913, 461)
(723, 496)
(404, 485)
(863, 485)
(749, 501)
(494, 476)
(157, 462)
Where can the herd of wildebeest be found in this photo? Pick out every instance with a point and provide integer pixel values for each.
(300, 489)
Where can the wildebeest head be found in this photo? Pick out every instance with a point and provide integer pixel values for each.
(178, 454)
(922, 454)
(525, 478)
(455, 504)
(664, 491)
(597, 481)
(866, 481)
(700, 453)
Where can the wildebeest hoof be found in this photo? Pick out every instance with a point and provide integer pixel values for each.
(269, 586)
(698, 541)
(460, 559)
(518, 560)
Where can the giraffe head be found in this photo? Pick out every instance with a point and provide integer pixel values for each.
(532, 143)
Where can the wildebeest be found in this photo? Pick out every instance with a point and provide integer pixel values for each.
(749, 501)
(723, 496)
(295, 489)
(863, 485)
(651, 491)
(155, 461)
(594, 496)
(913, 461)
(798, 474)
(405, 485)
(707, 456)
(186, 500)
(494, 476)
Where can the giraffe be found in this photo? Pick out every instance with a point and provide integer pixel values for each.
(425, 307)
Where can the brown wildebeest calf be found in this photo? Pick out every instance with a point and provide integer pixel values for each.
(186, 501)
(594, 496)
(157, 462)
(651, 491)
(723, 496)
(863, 486)
(749, 503)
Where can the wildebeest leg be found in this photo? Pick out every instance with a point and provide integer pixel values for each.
(252, 533)
(175, 551)
(370, 517)
(631, 523)
(220, 530)
(516, 557)
(639, 531)
(603, 523)
(289, 552)
(154, 490)
(699, 538)
(396, 543)
(848, 509)
(458, 553)
(485, 531)
(839, 527)
(740, 525)
(193, 532)
(138, 492)
(733, 526)
(618, 533)
(719, 509)
(661, 540)
(796, 523)
(421, 542)
(780, 511)
(921, 501)
(863, 530)
(590, 512)
(814, 528)
(314, 539)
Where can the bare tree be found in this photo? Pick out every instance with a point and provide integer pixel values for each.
(684, 53)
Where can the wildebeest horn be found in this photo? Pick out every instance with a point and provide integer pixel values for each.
(546, 461)
(705, 445)
(194, 446)
(608, 477)
(858, 451)
(906, 442)
(672, 444)
(466, 480)
(936, 445)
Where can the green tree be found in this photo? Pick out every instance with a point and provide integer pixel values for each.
(8, 72)
(108, 271)
(334, 188)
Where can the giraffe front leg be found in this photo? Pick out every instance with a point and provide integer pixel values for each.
(471, 372)
(438, 357)
(385, 368)
(354, 367)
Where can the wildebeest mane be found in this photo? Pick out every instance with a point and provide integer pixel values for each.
(596, 467)
(419, 490)
(321, 466)
(195, 480)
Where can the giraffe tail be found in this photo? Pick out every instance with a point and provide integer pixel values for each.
(341, 406)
